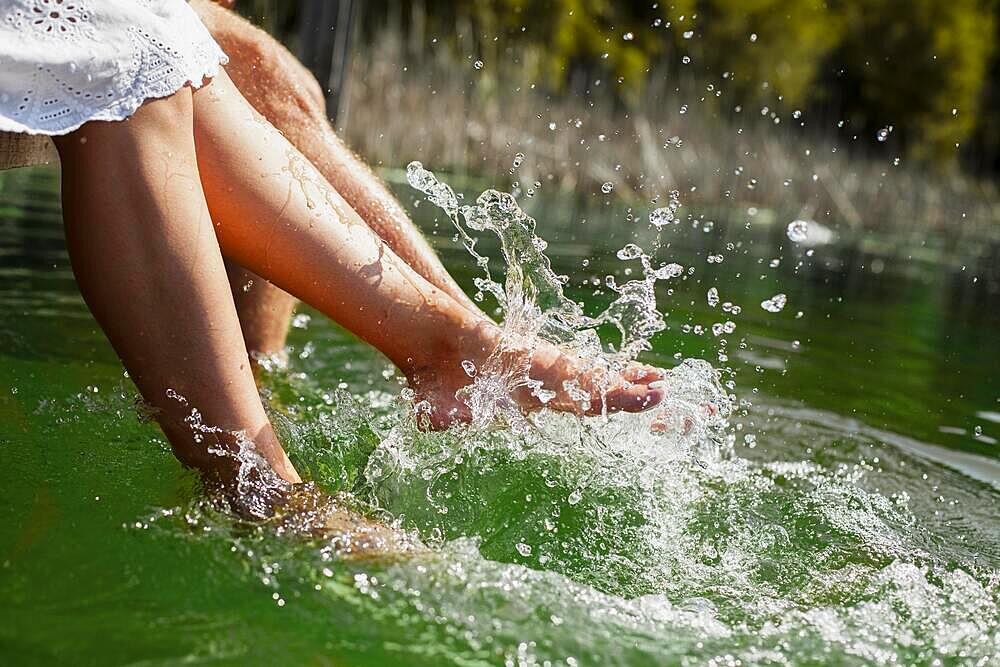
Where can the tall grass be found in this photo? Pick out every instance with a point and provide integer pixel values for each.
(406, 103)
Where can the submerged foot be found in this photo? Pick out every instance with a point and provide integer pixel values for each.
(307, 511)
(449, 389)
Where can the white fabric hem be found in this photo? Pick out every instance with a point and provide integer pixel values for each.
(123, 108)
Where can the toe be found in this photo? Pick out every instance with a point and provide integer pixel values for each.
(643, 373)
(635, 398)
(665, 422)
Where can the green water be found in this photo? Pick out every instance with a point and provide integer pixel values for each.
(861, 527)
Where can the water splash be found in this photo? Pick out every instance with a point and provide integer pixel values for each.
(608, 545)
(257, 488)
(618, 547)
(534, 307)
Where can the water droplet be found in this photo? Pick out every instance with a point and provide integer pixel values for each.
(775, 304)
(667, 214)
(798, 230)
(713, 297)
(469, 368)
(523, 549)
(630, 251)
(478, 64)
(667, 271)
(607, 187)
(688, 34)
(628, 37)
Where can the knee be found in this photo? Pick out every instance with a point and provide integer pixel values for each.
(301, 86)
(266, 73)
(293, 82)
(159, 121)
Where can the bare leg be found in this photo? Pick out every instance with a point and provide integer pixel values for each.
(148, 264)
(263, 309)
(274, 82)
(277, 216)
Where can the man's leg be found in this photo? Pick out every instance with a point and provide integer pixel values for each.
(263, 309)
(276, 84)
(275, 214)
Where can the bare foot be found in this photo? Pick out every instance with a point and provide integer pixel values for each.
(525, 379)
(309, 512)
(666, 422)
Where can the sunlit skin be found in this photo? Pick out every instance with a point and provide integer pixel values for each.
(276, 215)
(276, 84)
(147, 262)
(200, 175)
(278, 87)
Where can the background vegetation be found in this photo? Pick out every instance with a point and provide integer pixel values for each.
(864, 109)
(926, 68)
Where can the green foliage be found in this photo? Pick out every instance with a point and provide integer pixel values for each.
(603, 38)
(771, 48)
(910, 63)
(878, 63)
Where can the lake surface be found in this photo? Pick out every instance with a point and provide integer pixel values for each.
(849, 514)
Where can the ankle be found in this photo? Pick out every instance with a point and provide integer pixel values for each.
(472, 337)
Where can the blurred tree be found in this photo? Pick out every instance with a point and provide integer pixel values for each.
(596, 38)
(767, 49)
(918, 65)
(278, 17)
(982, 149)
(877, 63)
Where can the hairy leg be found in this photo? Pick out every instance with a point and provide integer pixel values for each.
(276, 84)
(148, 264)
(276, 215)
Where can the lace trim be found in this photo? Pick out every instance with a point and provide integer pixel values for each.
(59, 19)
(57, 99)
(120, 109)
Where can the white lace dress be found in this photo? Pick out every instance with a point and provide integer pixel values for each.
(66, 62)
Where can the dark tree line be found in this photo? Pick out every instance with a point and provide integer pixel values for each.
(927, 71)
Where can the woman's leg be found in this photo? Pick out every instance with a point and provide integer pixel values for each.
(276, 215)
(148, 264)
(276, 84)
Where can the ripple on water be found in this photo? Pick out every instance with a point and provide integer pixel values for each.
(609, 544)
